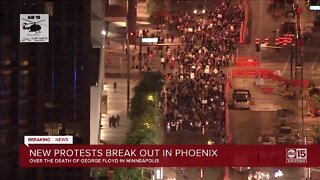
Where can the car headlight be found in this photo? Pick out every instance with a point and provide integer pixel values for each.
(195, 11)
(203, 11)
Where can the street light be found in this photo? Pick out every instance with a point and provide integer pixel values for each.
(103, 32)
(147, 125)
(201, 173)
(278, 174)
(298, 43)
(150, 98)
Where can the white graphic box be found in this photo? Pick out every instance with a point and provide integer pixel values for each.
(34, 28)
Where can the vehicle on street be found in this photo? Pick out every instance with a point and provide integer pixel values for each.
(241, 99)
(267, 140)
(241, 169)
(200, 9)
(259, 176)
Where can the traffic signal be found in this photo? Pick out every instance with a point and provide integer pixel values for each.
(258, 47)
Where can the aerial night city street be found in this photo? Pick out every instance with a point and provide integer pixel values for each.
(159, 72)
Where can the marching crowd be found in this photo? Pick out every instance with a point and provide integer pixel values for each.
(194, 95)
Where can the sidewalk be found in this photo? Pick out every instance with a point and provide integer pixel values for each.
(116, 104)
(116, 71)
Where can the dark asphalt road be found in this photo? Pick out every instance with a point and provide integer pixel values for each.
(192, 173)
(245, 125)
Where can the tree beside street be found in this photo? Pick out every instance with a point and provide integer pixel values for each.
(128, 173)
(143, 113)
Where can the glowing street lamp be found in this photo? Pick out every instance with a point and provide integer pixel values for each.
(150, 98)
(147, 125)
(201, 173)
(278, 174)
(103, 32)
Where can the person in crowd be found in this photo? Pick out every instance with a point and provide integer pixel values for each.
(194, 95)
(115, 87)
(110, 121)
(114, 121)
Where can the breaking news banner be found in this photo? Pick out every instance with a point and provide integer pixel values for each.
(48, 140)
(67, 155)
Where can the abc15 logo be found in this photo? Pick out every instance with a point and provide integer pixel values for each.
(297, 153)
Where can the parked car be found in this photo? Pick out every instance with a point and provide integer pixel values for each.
(259, 176)
(241, 99)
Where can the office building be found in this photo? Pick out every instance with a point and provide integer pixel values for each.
(45, 88)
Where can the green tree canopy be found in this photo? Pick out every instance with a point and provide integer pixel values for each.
(143, 113)
(128, 173)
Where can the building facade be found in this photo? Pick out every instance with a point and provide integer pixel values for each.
(45, 87)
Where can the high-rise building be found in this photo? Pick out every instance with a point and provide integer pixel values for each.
(45, 87)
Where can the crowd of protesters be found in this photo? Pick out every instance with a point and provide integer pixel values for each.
(194, 94)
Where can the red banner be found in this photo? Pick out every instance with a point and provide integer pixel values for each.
(169, 156)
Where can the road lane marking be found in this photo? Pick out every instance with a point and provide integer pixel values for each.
(285, 65)
(314, 63)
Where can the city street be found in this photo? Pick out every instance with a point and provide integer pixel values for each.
(190, 173)
(190, 137)
(245, 125)
(264, 24)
